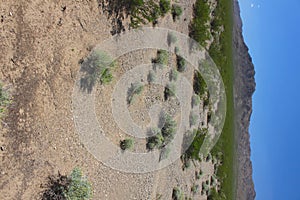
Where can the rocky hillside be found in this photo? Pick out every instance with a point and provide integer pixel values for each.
(244, 88)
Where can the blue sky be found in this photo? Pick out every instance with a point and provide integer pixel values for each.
(272, 33)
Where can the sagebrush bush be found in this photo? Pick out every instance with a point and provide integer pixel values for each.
(173, 75)
(162, 58)
(169, 129)
(127, 144)
(170, 91)
(151, 76)
(96, 67)
(165, 6)
(72, 187)
(155, 141)
(176, 12)
(79, 188)
(181, 63)
(135, 89)
(195, 188)
(177, 194)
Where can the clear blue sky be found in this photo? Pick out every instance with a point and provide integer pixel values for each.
(272, 33)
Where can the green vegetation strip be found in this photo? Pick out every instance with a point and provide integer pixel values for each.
(221, 53)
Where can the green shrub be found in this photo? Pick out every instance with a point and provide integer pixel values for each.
(177, 194)
(155, 141)
(181, 63)
(176, 12)
(106, 77)
(171, 39)
(165, 7)
(127, 144)
(143, 12)
(4, 101)
(162, 58)
(173, 75)
(134, 90)
(195, 100)
(170, 91)
(79, 188)
(169, 129)
(151, 76)
(199, 84)
(194, 149)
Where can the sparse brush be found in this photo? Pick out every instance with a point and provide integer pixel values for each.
(151, 76)
(195, 188)
(173, 75)
(134, 90)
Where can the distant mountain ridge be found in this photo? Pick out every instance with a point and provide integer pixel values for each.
(244, 87)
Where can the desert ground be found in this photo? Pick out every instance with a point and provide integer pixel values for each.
(42, 45)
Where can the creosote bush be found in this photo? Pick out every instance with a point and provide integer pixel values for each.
(127, 144)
